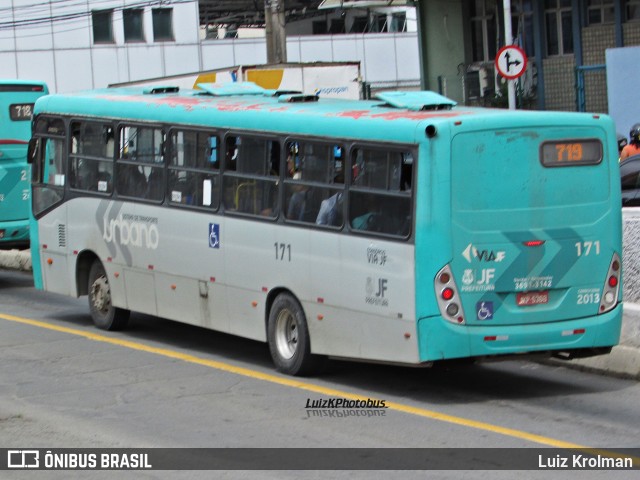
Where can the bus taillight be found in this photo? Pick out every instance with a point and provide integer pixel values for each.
(447, 296)
(611, 286)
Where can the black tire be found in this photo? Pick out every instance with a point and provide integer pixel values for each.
(103, 313)
(288, 338)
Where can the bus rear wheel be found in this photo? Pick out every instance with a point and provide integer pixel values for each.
(288, 337)
(103, 313)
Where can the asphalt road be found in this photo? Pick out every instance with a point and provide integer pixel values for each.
(161, 384)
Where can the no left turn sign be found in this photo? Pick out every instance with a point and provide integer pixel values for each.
(511, 62)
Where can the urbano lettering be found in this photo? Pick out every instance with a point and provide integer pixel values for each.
(133, 233)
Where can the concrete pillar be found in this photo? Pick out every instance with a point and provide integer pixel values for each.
(276, 38)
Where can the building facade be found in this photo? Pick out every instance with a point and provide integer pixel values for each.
(447, 45)
(565, 42)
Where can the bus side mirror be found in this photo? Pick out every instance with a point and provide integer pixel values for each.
(32, 153)
(32, 159)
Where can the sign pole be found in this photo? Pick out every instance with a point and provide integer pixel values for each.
(508, 40)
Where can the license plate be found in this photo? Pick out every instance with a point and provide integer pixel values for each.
(525, 299)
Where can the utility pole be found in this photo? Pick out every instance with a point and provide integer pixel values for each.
(508, 40)
(274, 21)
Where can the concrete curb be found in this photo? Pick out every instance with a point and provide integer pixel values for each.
(624, 359)
(622, 362)
(15, 260)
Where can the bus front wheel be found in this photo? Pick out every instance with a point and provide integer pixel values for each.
(103, 313)
(288, 338)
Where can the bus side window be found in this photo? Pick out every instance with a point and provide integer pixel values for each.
(91, 157)
(250, 183)
(380, 193)
(313, 183)
(193, 169)
(140, 166)
(48, 148)
(53, 164)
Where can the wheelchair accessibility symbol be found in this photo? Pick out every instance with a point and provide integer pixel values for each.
(214, 235)
(484, 310)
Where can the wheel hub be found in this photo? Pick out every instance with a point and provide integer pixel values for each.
(287, 334)
(100, 294)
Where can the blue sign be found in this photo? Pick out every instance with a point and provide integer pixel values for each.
(214, 235)
(484, 310)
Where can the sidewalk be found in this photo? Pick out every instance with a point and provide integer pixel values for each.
(624, 359)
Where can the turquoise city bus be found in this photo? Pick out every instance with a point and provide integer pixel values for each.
(17, 98)
(405, 229)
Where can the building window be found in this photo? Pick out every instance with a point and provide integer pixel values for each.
(102, 26)
(559, 27)
(484, 20)
(522, 25)
(600, 11)
(633, 9)
(162, 24)
(398, 22)
(133, 26)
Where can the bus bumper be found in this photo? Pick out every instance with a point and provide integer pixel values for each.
(14, 233)
(440, 340)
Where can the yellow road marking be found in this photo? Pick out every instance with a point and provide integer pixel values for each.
(310, 387)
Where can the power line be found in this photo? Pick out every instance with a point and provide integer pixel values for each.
(35, 21)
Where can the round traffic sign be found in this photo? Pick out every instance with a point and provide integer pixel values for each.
(511, 62)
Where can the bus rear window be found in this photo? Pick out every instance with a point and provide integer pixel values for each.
(16, 87)
(565, 153)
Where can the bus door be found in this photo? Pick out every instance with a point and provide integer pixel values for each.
(49, 241)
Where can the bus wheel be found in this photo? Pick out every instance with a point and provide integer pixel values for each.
(103, 313)
(288, 337)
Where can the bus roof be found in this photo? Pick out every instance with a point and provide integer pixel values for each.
(391, 118)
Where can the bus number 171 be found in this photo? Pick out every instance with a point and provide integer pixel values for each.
(584, 248)
(283, 251)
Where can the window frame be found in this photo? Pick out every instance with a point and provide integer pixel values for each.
(217, 172)
(121, 161)
(629, 6)
(388, 193)
(91, 158)
(132, 15)
(310, 184)
(106, 37)
(37, 147)
(263, 178)
(162, 20)
(556, 13)
(482, 21)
